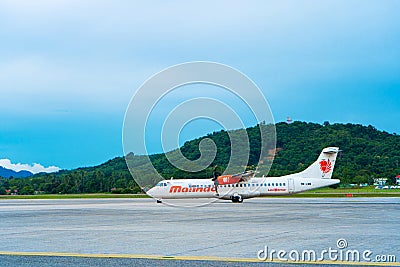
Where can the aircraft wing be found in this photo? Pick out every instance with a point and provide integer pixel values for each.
(235, 178)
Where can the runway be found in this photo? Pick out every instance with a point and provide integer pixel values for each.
(221, 230)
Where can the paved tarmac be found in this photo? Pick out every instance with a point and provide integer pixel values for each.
(222, 230)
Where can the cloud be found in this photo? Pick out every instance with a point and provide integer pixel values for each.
(34, 168)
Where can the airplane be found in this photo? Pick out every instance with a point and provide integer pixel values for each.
(245, 185)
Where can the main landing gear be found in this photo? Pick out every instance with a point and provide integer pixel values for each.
(237, 199)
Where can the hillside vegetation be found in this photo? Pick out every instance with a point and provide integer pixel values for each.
(367, 154)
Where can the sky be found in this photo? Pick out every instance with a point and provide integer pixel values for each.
(68, 68)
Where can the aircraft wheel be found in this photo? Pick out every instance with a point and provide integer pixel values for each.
(237, 199)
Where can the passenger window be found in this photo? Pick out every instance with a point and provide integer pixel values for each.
(269, 184)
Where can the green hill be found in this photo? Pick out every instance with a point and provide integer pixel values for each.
(367, 154)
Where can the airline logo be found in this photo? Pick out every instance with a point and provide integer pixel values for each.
(325, 166)
(180, 189)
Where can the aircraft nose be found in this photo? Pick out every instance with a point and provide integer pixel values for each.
(151, 192)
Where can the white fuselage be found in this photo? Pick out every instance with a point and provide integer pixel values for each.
(317, 175)
(254, 187)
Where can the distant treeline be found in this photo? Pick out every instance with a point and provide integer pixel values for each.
(367, 154)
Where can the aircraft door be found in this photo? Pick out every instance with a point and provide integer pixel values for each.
(290, 185)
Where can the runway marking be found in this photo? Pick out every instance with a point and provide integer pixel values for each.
(189, 258)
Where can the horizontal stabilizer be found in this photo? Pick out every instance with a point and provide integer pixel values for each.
(330, 150)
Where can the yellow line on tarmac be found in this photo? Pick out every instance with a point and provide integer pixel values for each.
(189, 258)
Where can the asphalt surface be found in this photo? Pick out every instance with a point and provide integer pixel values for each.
(222, 229)
(29, 261)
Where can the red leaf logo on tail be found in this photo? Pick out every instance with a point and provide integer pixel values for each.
(325, 166)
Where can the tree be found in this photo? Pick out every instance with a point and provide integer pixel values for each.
(367, 153)
(27, 190)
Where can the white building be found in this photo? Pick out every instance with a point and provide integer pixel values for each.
(380, 181)
(398, 179)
